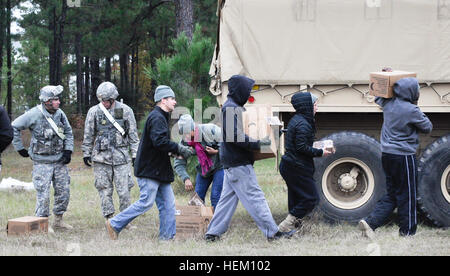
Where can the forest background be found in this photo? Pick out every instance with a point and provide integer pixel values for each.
(136, 44)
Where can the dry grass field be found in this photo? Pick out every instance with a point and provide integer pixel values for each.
(243, 238)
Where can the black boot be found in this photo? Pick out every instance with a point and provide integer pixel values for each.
(211, 238)
(284, 235)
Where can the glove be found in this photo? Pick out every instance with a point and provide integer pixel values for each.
(87, 161)
(133, 160)
(23, 153)
(265, 141)
(67, 157)
(185, 151)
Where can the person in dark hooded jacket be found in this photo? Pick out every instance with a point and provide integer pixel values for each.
(297, 165)
(6, 131)
(402, 122)
(240, 183)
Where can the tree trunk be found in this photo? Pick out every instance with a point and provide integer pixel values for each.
(86, 84)
(132, 76)
(59, 44)
(52, 46)
(184, 14)
(108, 69)
(2, 39)
(79, 61)
(136, 86)
(124, 83)
(9, 57)
(96, 79)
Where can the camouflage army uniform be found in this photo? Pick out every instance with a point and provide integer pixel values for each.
(110, 153)
(46, 150)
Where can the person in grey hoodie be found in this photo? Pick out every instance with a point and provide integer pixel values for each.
(240, 182)
(403, 120)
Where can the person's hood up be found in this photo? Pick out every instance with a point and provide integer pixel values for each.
(239, 88)
(407, 89)
(303, 104)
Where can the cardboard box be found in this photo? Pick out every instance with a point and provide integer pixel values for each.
(192, 221)
(381, 84)
(325, 144)
(259, 122)
(27, 226)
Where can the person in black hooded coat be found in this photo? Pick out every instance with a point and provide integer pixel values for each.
(6, 131)
(297, 165)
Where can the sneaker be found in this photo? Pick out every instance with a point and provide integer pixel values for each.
(284, 235)
(367, 231)
(112, 233)
(211, 238)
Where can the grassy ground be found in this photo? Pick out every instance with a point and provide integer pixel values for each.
(243, 238)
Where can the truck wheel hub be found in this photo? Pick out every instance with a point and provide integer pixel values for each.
(347, 183)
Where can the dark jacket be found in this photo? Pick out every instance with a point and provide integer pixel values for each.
(237, 148)
(403, 119)
(6, 130)
(300, 135)
(152, 158)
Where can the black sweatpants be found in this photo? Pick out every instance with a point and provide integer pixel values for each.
(401, 179)
(302, 192)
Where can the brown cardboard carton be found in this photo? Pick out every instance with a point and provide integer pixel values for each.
(27, 226)
(325, 144)
(381, 84)
(259, 122)
(192, 221)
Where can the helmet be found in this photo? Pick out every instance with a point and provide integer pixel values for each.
(107, 90)
(50, 92)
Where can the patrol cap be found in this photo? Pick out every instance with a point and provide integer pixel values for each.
(50, 92)
(107, 90)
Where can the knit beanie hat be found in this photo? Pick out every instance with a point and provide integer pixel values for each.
(185, 124)
(162, 92)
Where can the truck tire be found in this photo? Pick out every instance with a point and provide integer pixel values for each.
(351, 181)
(433, 191)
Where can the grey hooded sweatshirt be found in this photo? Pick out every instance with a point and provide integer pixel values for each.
(403, 119)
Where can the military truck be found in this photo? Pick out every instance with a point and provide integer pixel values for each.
(329, 48)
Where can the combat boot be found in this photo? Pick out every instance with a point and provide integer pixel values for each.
(59, 224)
(288, 224)
(113, 235)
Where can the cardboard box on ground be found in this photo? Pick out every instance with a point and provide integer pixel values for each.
(192, 220)
(259, 122)
(27, 226)
(381, 84)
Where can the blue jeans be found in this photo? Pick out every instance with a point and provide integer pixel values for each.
(151, 190)
(202, 185)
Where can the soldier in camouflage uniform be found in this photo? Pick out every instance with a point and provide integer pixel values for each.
(50, 149)
(109, 149)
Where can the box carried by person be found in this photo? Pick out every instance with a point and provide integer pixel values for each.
(259, 122)
(27, 226)
(325, 144)
(381, 84)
